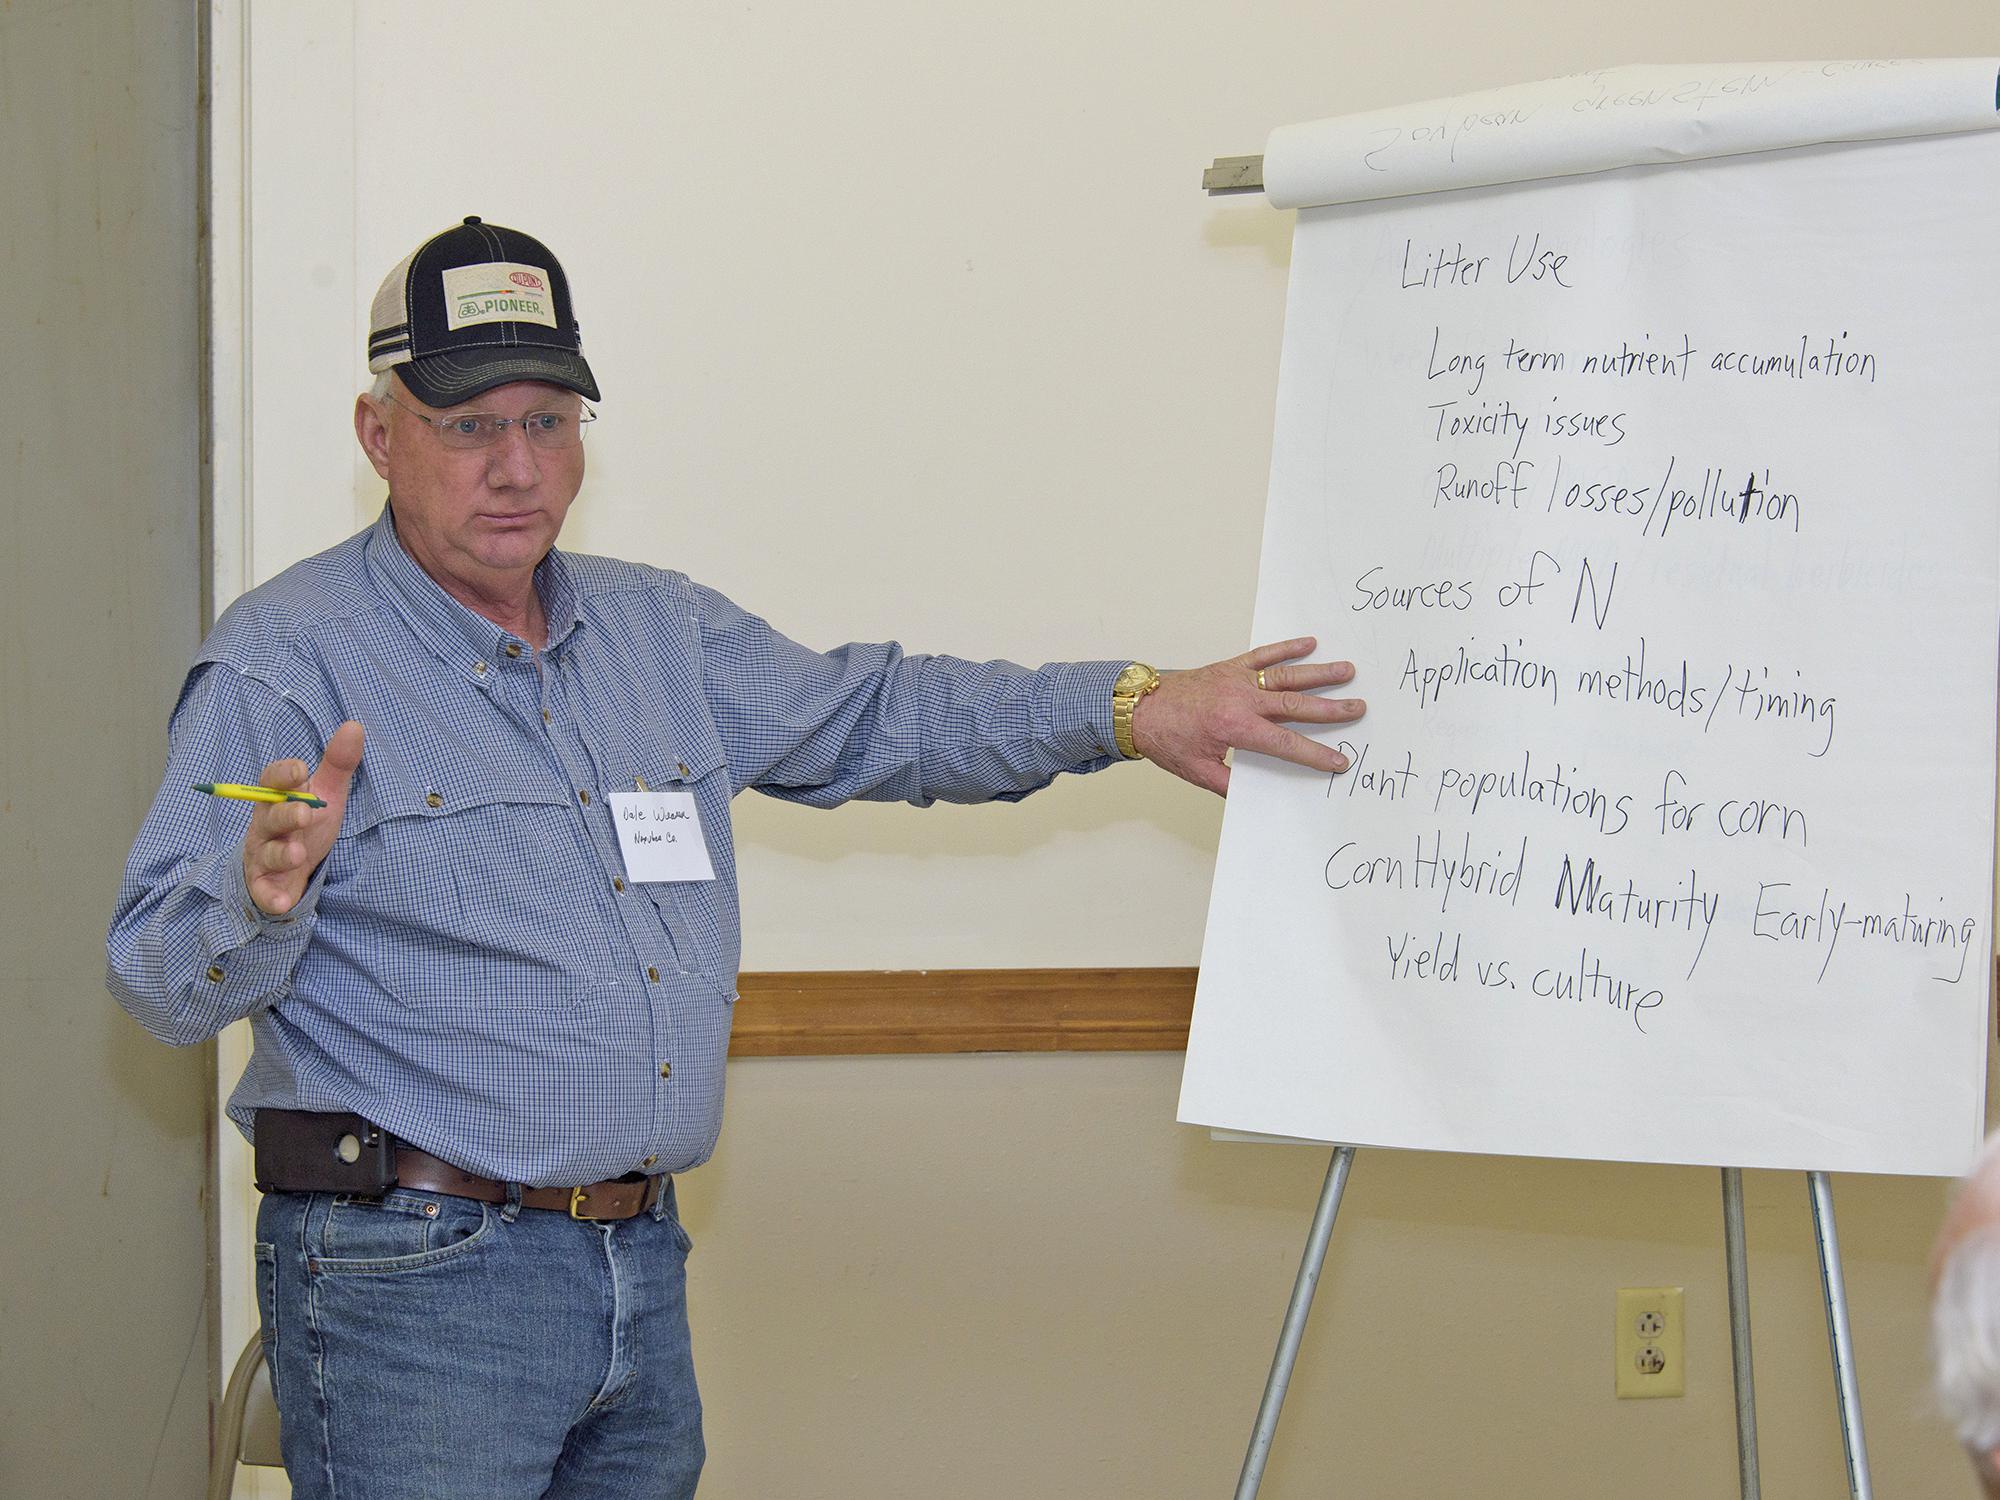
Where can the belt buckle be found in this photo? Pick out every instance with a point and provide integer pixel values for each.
(577, 1197)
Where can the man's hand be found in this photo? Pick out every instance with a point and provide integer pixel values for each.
(287, 840)
(1191, 719)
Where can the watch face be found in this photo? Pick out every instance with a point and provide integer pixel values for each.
(1135, 680)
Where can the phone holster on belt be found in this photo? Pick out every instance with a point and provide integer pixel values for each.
(299, 1151)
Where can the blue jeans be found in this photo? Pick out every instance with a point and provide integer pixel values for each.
(428, 1347)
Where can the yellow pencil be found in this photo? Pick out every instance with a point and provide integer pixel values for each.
(256, 793)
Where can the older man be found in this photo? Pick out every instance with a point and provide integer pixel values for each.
(489, 979)
(1965, 1315)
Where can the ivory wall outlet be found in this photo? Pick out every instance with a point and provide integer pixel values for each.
(1651, 1347)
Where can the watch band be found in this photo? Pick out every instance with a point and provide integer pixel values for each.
(1133, 683)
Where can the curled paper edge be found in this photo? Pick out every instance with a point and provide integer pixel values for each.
(1622, 117)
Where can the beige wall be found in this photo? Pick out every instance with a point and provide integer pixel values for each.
(106, 1332)
(908, 317)
(1007, 1276)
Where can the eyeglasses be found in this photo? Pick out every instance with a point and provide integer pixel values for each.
(482, 429)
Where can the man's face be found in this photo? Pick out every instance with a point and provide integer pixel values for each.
(477, 520)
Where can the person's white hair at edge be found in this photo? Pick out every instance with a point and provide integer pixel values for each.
(1965, 1313)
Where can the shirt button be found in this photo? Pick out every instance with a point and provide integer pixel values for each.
(514, 649)
(684, 770)
(652, 973)
(479, 667)
(617, 883)
(432, 799)
(650, 1161)
(585, 796)
(215, 977)
(545, 717)
(666, 1070)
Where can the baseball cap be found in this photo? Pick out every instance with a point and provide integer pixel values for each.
(474, 307)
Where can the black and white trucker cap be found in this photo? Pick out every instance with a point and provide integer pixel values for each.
(475, 307)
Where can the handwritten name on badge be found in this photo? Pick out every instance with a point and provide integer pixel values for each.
(659, 834)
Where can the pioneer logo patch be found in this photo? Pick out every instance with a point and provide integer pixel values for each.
(497, 292)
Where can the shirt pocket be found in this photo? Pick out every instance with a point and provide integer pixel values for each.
(469, 887)
(700, 916)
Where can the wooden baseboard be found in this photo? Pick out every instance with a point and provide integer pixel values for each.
(852, 1012)
(857, 1012)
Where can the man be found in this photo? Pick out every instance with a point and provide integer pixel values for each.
(1965, 1316)
(489, 980)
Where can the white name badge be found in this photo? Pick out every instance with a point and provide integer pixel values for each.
(659, 833)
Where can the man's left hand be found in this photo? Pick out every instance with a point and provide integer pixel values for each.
(1192, 719)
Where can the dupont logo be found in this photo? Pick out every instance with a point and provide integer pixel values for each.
(527, 279)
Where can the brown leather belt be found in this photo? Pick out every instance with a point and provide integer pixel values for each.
(620, 1198)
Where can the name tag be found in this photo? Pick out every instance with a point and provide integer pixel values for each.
(659, 833)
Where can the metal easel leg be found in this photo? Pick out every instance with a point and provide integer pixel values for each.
(1842, 1337)
(1295, 1323)
(1739, 1331)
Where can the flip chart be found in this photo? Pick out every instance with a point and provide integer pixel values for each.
(1657, 508)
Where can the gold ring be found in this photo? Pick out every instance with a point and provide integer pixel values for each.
(1261, 687)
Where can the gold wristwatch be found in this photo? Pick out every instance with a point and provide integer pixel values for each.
(1133, 684)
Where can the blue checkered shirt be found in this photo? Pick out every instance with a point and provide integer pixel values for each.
(469, 967)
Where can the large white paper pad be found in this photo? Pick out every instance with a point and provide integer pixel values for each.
(1621, 117)
(1657, 509)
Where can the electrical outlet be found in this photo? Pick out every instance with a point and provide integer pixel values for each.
(1651, 1347)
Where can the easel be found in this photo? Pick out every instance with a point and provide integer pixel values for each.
(1859, 1485)
(1245, 174)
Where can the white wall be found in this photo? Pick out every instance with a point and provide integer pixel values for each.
(912, 322)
